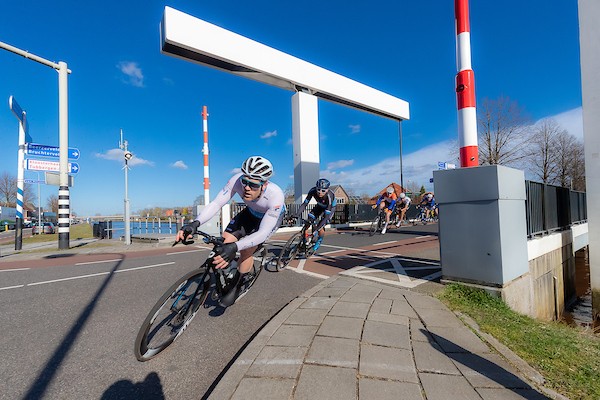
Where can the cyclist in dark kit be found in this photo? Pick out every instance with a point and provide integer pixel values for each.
(325, 203)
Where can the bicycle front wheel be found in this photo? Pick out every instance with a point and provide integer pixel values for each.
(289, 251)
(171, 314)
(374, 226)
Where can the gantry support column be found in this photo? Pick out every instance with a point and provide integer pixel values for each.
(305, 137)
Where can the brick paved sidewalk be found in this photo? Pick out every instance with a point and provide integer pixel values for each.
(353, 339)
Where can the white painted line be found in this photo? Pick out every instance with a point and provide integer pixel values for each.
(420, 261)
(12, 287)
(98, 274)
(14, 269)
(144, 267)
(99, 262)
(331, 252)
(188, 251)
(381, 244)
(68, 279)
(301, 264)
(305, 272)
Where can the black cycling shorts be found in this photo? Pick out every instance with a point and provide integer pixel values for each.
(243, 224)
(317, 211)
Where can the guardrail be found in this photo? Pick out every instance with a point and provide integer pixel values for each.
(552, 208)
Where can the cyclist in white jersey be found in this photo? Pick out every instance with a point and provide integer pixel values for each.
(251, 227)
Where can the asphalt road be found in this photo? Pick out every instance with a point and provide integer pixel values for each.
(65, 338)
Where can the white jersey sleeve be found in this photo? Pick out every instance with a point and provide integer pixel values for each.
(222, 198)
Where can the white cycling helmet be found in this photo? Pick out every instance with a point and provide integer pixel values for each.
(390, 190)
(257, 167)
(402, 195)
(429, 196)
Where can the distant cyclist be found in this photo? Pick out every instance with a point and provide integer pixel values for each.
(325, 205)
(403, 205)
(252, 226)
(428, 202)
(386, 202)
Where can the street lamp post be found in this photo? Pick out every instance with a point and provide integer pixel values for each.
(128, 156)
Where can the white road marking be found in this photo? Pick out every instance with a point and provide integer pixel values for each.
(188, 251)
(305, 272)
(12, 287)
(14, 269)
(99, 262)
(98, 274)
(381, 244)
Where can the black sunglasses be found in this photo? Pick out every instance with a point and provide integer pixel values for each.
(250, 184)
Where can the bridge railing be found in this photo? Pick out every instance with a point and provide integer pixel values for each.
(552, 208)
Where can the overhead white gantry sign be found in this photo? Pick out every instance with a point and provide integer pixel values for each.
(196, 40)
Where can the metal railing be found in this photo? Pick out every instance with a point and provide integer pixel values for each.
(552, 208)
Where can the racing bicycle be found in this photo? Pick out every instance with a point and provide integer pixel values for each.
(378, 222)
(302, 243)
(176, 308)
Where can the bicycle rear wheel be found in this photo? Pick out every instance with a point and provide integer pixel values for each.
(374, 225)
(171, 314)
(289, 251)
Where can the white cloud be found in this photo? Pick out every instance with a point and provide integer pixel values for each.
(339, 164)
(572, 121)
(417, 169)
(268, 135)
(235, 171)
(118, 155)
(354, 128)
(133, 72)
(179, 164)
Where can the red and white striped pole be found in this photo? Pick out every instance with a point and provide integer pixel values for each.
(465, 88)
(205, 152)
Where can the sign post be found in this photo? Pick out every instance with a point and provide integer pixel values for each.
(20, 114)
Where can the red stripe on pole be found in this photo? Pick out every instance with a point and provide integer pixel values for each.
(461, 11)
(469, 156)
(465, 89)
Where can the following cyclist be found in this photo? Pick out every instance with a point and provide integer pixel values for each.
(386, 201)
(428, 201)
(252, 226)
(325, 203)
(403, 205)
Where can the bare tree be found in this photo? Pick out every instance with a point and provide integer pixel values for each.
(8, 190)
(577, 167)
(52, 203)
(564, 143)
(543, 157)
(503, 132)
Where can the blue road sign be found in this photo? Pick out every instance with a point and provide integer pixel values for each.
(34, 149)
(430, 180)
(74, 167)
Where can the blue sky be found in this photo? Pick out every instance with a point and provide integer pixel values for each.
(528, 51)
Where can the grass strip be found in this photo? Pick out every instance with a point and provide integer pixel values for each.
(567, 357)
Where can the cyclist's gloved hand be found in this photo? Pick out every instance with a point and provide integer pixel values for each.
(227, 251)
(374, 205)
(311, 217)
(188, 230)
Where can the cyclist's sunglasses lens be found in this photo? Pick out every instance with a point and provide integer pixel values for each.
(251, 185)
(322, 191)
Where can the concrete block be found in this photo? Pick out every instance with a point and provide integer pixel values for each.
(384, 334)
(387, 363)
(388, 390)
(444, 387)
(336, 352)
(326, 383)
(350, 328)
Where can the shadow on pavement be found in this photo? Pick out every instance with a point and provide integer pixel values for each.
(149, 389)
(46, 375)
(485, 368)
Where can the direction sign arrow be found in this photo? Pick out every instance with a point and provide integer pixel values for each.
(43, 165)
(42, 150)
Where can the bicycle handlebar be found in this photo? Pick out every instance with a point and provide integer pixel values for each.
(208, 239)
